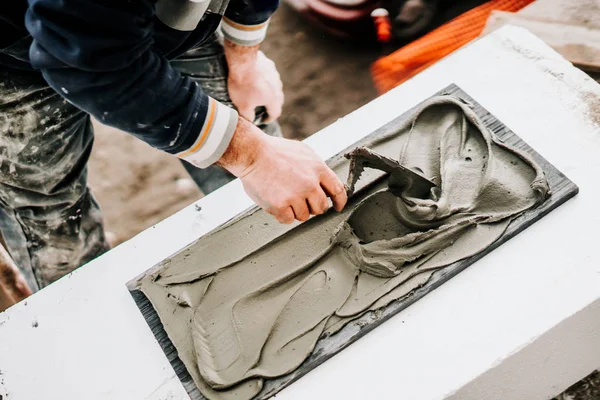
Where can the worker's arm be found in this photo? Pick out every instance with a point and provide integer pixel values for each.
(253, 79)
(284, 177)
(98, 55)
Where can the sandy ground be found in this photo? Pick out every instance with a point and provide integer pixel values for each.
(138, 186)
(135, 184)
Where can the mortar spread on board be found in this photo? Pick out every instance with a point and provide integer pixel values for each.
(260, 316)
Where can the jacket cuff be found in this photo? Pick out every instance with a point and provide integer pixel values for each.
(244, 35)
(215, 136)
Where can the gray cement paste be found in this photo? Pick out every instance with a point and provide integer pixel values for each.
(256, 296)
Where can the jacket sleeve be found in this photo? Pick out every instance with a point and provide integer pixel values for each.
(98, 55)
(246, 21)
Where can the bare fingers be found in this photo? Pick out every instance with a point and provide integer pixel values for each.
(285, 215)
(335, 189)
(317, 202)
(301, 211)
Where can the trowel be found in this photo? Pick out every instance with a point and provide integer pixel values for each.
(401, 178)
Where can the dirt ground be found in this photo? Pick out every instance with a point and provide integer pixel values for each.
(324, 79)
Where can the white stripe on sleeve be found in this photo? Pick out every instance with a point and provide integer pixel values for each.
(245, 35)
(215, 136)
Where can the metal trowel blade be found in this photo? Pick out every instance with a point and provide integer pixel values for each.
(401, 177)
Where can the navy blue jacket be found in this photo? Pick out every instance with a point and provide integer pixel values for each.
(111, 58)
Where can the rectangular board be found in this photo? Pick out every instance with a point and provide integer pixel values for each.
(561, 187)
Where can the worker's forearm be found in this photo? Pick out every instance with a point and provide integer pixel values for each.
(284, 177)
(253, 81)
(245, 146)
(240, 59)
(113, 72)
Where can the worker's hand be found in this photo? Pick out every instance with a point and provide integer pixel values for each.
(291, 182)
(285, 177)
(253, 81)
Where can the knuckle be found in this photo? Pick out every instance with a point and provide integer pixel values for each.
(324, 206)
(287, 219)
(283, 216)
(329, 172)
(319, 210)
(275, 211)
(308, 184)
(323, 169)
(285, 202)
(319, 205)
(316, 191)
(280, 210)
(304, 217)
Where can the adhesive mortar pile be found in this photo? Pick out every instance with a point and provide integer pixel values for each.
(252, 308)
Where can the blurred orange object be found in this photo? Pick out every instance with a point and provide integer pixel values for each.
(383, 26)
(390, 71)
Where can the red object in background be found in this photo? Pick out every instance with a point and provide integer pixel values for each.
(351, 19)
(341, 18)
(394, 69)
(383, 26)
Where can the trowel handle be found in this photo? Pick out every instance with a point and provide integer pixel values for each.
(261, 114)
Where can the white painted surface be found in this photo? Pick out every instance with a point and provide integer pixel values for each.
(92, 343)
(535, 371)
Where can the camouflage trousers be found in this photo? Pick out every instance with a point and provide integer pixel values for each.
(49, 219)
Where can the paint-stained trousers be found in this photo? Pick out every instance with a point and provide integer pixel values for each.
(49, 219)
